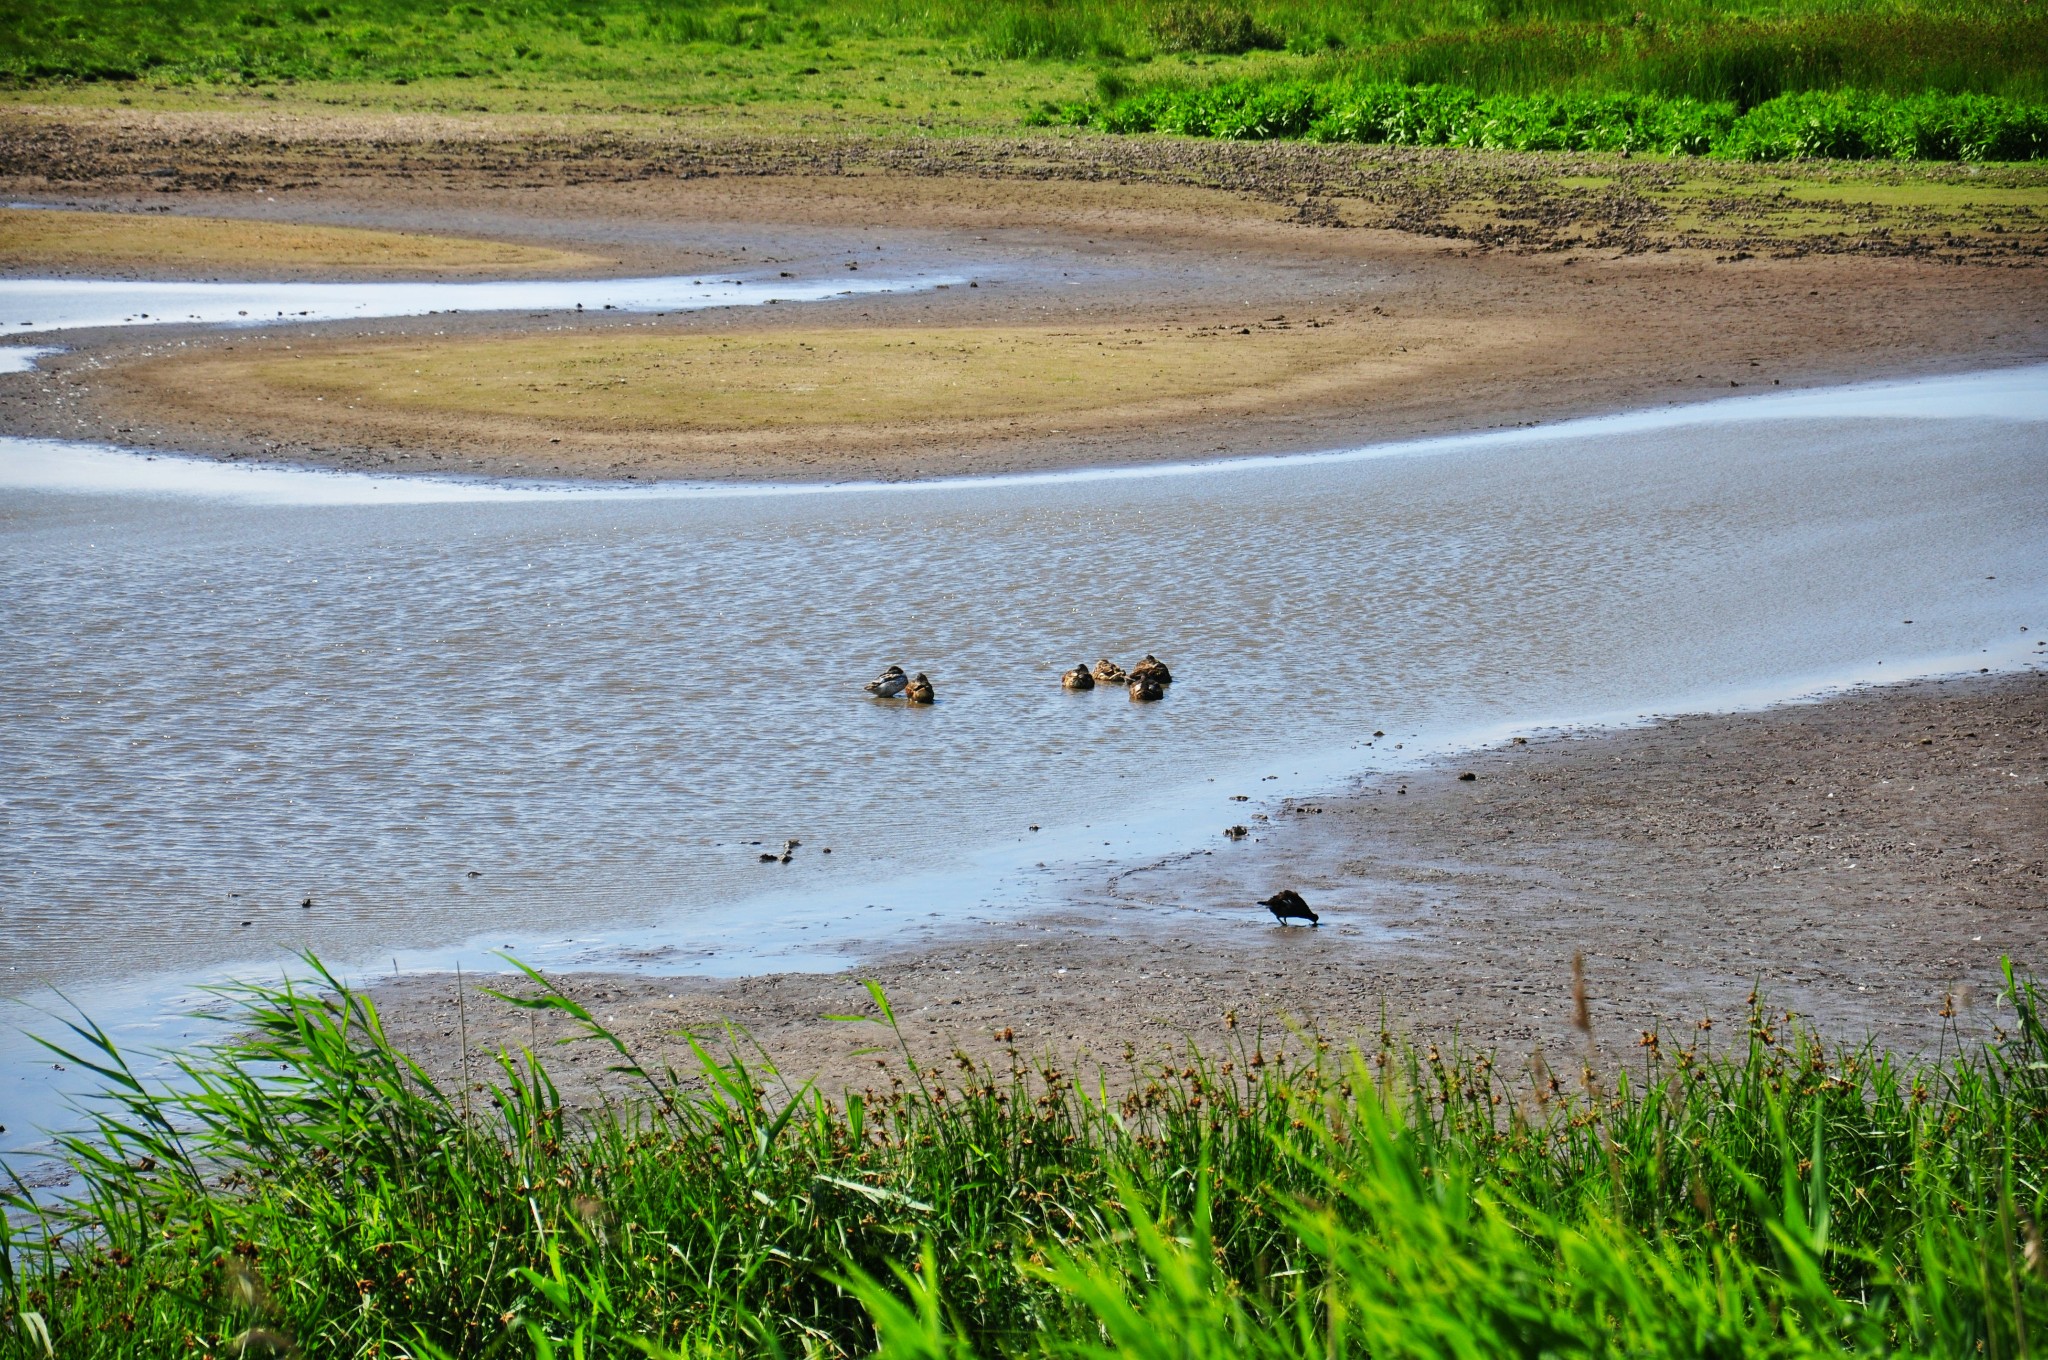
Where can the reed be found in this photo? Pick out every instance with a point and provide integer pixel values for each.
(305, 1188)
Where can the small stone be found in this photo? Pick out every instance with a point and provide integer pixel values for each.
(1467, 777)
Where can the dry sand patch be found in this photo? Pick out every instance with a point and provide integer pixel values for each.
(558, 393)
(161, 244)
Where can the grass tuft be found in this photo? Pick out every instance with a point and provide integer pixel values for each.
(305, 1188)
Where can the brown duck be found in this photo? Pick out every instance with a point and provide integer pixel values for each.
(919, 690)
(1078, 678)
(1146, 688)
(1153, 667)
(1109, 673)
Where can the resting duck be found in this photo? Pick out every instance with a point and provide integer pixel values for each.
(888, 684)
(919, 690)
(1078, 678)
(1109, 673)
(1153, 667)
(1287, 904)
(1145, 688)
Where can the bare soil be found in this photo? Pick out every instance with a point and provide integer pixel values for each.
(1864, 862)
(1461, 291)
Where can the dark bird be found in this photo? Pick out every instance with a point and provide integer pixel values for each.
(1109, 673)
(1146, 688)
(1153, 667)
(1288, 905)
(1078, 678)
(919, 690)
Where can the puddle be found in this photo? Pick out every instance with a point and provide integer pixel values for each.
(22, 358)
(34, 305)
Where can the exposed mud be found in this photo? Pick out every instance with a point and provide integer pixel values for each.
(1547, 201)
(1864, 862)
(1433, 337)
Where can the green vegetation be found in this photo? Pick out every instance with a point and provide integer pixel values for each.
(1841, 126)
(305, 1189)
(948, 64)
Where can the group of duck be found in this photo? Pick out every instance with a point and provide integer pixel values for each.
(893, 682)
(1145, 681)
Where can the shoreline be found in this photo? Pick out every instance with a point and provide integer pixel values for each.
(1217, 990)
(215, 475)
(1680, 858)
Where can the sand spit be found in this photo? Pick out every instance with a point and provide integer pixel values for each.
(1865, 861)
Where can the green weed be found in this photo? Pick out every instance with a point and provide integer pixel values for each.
(658, 54)
(304, 1188)
(1846, 125)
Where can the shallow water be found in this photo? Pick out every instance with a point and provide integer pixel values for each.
(227, 689)
(32, 305)
(22, 358)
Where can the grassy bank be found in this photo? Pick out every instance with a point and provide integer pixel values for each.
(879, 64)
(310, 1191)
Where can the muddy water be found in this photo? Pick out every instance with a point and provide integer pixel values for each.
(574, 721)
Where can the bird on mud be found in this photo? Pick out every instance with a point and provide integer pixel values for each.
(1078, 678)
(888, 684)
(1153, 667)
(1289, 905)
(919, 690)
(1109, 673)
(1146, 689)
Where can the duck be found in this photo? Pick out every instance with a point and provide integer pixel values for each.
(1153, 667)
(1146, 688)
(1078, 678)
(1109, 673)
(888, 684)
(919, 690)
(1289, 905)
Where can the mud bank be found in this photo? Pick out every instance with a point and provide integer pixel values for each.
(1328, 328)
(1863, 861)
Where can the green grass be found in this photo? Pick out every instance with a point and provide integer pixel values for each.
(952, 65)
(1847, 125)
(305, 1189)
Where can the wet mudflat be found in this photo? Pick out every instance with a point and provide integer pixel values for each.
(1865, 862)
